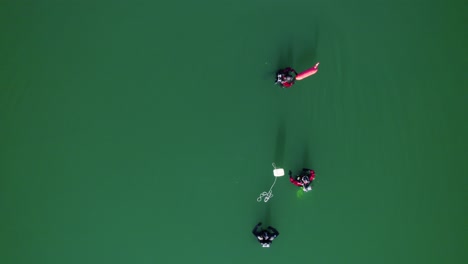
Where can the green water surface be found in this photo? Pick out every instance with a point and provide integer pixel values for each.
(143, 131)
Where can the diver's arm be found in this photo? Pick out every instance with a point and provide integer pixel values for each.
(312, 175)
(255, 230)
(275, 232)
(309, 173)
(289, 69)
(293, 181)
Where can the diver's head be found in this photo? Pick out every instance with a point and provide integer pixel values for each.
(265, 234)
(305, 179)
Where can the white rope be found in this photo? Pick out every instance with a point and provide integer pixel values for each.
(265, 196)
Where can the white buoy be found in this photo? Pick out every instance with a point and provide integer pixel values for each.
(277, 172)
(265, 196)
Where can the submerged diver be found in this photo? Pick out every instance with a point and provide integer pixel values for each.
(265, 236)
(285, 77)
(304, 179)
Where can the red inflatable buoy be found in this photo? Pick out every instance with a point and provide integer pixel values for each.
(308, 72)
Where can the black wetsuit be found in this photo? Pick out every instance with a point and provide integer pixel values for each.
(285, 77)
(265, 236)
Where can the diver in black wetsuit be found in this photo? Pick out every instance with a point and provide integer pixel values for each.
(285, 77)
(265, 236)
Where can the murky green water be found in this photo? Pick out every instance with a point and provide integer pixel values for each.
(143, 132)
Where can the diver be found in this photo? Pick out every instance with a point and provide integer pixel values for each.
(285, 77)
(304, 179)
(265, 236)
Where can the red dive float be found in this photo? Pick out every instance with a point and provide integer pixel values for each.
(287, 77)
(308, 72)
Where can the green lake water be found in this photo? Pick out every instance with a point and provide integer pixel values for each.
(143, 131)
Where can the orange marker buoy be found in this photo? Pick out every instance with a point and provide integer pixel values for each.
(308, 72)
